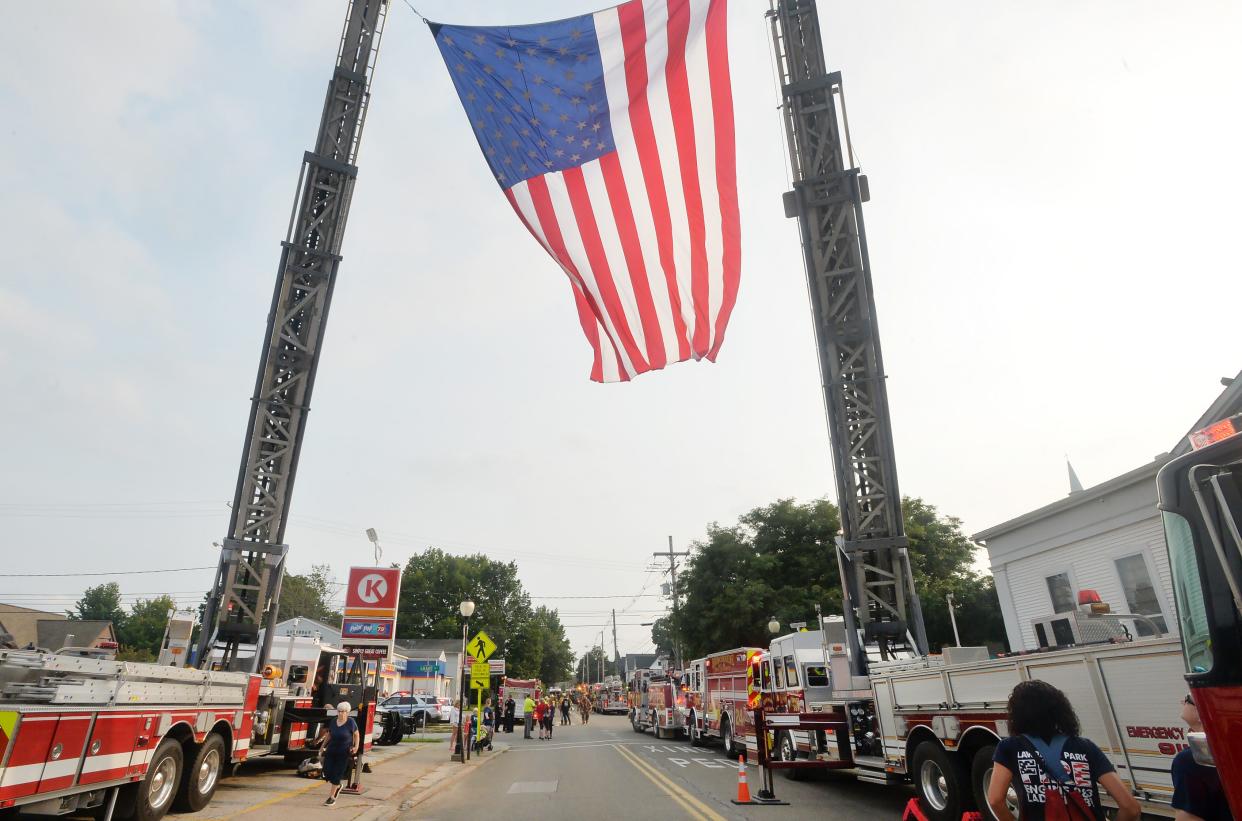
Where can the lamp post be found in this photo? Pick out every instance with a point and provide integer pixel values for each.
(374, 537)
(467, 610)
(774, 626)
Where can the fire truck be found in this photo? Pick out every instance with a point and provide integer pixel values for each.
(132, 740)
(1200, 498)
(721, 692)
(612, 698)
(655, 699)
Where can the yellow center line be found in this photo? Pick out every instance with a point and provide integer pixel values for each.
(692, 805)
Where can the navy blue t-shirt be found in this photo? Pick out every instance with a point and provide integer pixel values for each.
(1080, 758)
(1197, 789)
(341, 737)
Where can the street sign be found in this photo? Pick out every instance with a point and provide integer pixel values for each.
(480, 675)
(481, 646)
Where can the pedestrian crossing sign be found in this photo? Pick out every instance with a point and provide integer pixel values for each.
(480, 675)
(481, 646)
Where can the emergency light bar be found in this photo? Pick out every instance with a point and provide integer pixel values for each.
(1216, 432)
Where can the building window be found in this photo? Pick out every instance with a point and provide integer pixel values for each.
(1061, 592)
(1140, 594)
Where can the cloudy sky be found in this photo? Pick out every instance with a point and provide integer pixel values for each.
(1053, 192)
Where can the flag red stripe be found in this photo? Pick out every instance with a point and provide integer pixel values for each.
(683, 130)
(634, 41)
(726, 163)
(627, 231)
(588, 230)
(539, 197)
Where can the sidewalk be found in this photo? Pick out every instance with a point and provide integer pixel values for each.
(402, 776)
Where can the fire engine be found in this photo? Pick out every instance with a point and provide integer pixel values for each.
(720, 694)
(612, 698)
(655, 699)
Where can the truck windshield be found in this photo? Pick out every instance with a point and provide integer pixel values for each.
(1188, 590)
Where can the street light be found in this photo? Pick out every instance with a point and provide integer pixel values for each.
(774, 626)
(374, 537)
(467, 610)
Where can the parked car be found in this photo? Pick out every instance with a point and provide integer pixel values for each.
(420, 709)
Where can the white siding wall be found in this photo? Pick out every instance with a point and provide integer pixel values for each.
(1090, 564)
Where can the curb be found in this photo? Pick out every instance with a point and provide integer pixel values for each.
(411, 795)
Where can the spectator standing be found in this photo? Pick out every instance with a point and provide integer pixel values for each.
(564, 709)
(1197, 792)
(540, 708)
(528, 715)
(1059, 772)
(510, 708)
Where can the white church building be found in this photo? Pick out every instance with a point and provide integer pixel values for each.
(1106, 538)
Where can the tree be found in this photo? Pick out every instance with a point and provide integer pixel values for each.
(662, 635)
(142, 632)
(309, 596)
(101, 603)
(433, 585)
(589, 665)
(780, 561)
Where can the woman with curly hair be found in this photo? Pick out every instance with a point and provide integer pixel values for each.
(1059, 773)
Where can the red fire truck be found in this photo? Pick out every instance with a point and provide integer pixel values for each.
(1201, 500)
(720, 692)
(655, 701)
(135, 739)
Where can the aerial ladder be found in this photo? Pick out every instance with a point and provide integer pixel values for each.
(881, 606)
(246, 593)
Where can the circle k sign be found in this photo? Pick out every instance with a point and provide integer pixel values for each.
(373, 588)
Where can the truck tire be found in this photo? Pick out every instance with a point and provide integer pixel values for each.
(980, 775)
(692, 731)
(152, 797)
(730, 743)
(940, 781)
(200, 779)
(788, 751)
(638, 728)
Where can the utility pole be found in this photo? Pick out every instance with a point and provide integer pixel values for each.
(601, 656)
(616, 654)
(671, 555)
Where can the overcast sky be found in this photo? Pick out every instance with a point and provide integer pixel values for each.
(1054, 188)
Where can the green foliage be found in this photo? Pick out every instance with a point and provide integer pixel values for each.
(780, 561)
(101, 603)
(309, 596)
(142, 631)
(663, 635)
(589, 665)
(433, 585)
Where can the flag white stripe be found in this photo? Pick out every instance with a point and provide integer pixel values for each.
(610, 239)
(655, 16)
(705, 152)
(612, 52)
(521, 196)
(561, 206)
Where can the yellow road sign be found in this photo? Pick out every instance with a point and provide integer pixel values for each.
(480, 675)
(481, 646)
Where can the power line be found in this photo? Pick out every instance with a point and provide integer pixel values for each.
(108, 573)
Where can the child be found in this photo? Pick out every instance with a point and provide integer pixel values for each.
(540, 708)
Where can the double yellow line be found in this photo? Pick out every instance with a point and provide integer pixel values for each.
(693, 806)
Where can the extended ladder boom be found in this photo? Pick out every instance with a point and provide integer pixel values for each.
(246, 592)
(877, 584)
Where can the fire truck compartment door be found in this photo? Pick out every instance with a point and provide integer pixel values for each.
(65, 754)
(119, 747)
(1146, 692)
(28, 740)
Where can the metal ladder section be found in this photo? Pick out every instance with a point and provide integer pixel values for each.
(246, 591)
(33, 677)
(880, 603)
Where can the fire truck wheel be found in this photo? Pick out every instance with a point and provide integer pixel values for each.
(200, 779)
(692, 731)
(731, 748)
(788, 751)
(980, 775)
(638, 728)
(151, 797)
(940, 781)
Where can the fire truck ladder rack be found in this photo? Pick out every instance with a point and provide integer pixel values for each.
(32, 677)
(880, 601)
(246, 591)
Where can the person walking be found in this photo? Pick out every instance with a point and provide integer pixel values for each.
(1059, 771)
(342, 740)
(510, 708)
(564, 710)
(528, 715)
(1197, 793)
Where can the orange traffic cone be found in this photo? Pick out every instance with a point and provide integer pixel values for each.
(743, 789)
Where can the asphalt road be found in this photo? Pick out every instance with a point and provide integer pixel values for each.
(604, 770)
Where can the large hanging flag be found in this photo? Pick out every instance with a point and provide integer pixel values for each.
(612, 137)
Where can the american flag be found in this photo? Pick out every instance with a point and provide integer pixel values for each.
(612, 137)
